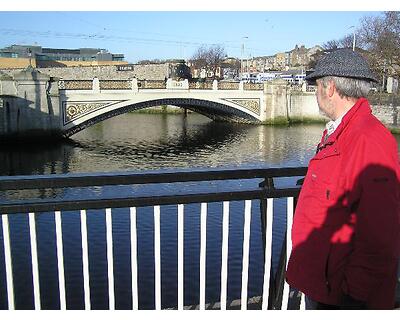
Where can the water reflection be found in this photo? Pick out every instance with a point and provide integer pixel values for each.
(139, 141)
(146, 142)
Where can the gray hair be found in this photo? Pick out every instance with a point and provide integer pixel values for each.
(348, 87)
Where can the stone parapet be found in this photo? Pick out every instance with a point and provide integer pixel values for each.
(149, 72)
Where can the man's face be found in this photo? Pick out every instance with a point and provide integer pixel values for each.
(323, 100)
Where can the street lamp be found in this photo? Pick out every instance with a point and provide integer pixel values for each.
(354, 37)
(241, 55)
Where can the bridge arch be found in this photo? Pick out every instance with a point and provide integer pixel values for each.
(214, 110)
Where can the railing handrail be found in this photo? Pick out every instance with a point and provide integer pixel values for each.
(46, 205)
(125, 178)
(75, 180)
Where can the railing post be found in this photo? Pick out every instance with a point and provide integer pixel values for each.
(267, 184)
(224, 254)
(157, 258)
(134, 84)
(96, 85)
(246, 248)
(60, 260)
(215, 85)
(110, 260)
(135, 304)
(288, 243)
(8, 262)
(181, 235)
(34, 258)
(85, 259)
(266, 207)
(203, 244)
(275, 300)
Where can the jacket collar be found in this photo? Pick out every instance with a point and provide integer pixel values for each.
(360, 107)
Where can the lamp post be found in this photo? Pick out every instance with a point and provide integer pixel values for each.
(354, 37)
(241, 55)
(30, 57)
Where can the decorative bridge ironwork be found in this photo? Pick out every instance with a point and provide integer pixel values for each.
(85, 102)
(40, 199)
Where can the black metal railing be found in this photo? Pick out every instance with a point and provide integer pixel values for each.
(261, 185)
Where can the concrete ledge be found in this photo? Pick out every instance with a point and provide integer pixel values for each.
(253, 303)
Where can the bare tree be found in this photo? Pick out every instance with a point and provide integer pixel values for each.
(198, 59)
(345, 42)
(378, 39)
(380, 36)
(331, 45)
(209, 58)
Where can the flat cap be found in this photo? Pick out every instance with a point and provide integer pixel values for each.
(342, 63)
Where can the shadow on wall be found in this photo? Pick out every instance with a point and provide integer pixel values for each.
(30, 107)
(23, 120)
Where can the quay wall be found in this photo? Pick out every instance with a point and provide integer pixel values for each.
(283, 104)
(29, 107)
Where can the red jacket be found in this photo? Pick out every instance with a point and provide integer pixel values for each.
(346, 227)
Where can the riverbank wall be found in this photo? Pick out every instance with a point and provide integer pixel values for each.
(287, 104)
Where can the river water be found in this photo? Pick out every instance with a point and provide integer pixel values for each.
(141, 142)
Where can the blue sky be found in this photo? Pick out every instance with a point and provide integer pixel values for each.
(176, 34)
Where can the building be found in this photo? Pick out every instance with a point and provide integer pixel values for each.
(47, 57)
(299, 57)
(280, 61)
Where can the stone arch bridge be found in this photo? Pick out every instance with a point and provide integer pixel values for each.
(33, 104)
(84, 103)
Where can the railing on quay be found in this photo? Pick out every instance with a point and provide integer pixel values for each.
(275, 291)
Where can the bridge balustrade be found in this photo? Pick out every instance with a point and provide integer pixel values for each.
(228, 85)
(206, 85)
(275, 290)
(75, 84)
(253, 86)
(152, 84)
(115, 85)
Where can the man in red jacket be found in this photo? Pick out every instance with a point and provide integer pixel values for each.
(346, 227)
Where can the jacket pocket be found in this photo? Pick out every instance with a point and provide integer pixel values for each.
(324, 198)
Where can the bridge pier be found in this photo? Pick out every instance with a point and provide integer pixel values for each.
(29, 106)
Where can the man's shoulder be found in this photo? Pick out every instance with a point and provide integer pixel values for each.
(368, 130)
(368, 125)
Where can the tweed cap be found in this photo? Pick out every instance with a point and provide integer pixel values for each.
(342, 63)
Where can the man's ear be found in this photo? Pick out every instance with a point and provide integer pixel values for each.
(331, 88)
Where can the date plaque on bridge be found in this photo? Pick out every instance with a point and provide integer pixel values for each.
(125, 67)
